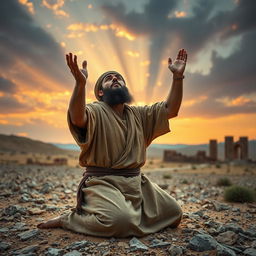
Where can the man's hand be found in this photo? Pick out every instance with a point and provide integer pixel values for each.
(80, 75)
(178, 66)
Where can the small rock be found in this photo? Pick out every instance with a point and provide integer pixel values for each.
(175, 250)
(73, 253)
(54, 252)
(136, 244)
(202, 242)
(19, 226)
(156, 243)
(27, 250)
(220, 207)
(28, 234)
(103, 244)
(4, 246)
(47, 187)
(35, 211)
(254, 244)
(228, 237)
(224, 251)
(77, 245)
(14, 209)
(250, 252)
(4, 230)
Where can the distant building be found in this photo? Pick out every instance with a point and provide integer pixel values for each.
(174, 156)
(55, 161)
(213, 150)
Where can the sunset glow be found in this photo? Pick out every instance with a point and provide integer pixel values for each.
(136, 40)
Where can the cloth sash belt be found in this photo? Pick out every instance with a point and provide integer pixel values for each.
(100, 171)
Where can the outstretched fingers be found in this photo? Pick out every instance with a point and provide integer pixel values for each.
(182, 55)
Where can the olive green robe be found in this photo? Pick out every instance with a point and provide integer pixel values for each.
(116, 205)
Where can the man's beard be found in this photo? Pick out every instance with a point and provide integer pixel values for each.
(114, 96)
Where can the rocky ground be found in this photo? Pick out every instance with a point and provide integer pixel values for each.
(210, 226)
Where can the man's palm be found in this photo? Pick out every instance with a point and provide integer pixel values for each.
(178, 66)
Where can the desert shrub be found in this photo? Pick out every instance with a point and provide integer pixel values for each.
(239, 194)
(167, 176)
(184, 181)
(193, 167)
(218, 166)
(224, 182)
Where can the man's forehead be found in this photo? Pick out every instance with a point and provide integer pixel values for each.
(112, 73)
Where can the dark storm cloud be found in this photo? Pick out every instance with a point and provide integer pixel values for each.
(6, 85)
(8, 105)
(229, 77)
(211, 108)
(22, 39)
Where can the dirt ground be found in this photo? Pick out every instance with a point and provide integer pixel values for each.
(193, 185)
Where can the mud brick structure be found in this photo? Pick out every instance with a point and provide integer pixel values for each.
(236, 150)
(213, 150)
(229, 148)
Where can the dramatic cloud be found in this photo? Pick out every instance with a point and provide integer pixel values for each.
(6, 85)
(192, 32)
(55, 6)
(8, 105)
(22, 41)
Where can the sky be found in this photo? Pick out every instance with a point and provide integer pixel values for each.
(134, 38)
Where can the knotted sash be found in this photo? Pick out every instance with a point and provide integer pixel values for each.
(98, 172)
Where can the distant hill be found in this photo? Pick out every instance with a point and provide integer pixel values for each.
(156, 150)
(12, 143)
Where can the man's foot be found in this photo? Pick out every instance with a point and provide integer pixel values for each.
(52, 223)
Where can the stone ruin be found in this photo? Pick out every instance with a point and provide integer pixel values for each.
(234, 150)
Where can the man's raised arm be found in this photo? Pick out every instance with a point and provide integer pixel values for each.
(174, 99)
(77, 102)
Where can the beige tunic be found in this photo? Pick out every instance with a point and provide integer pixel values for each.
(116, 205)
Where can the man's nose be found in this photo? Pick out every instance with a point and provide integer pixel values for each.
(114, 78)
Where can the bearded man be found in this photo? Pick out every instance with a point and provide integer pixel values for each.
(114, 198)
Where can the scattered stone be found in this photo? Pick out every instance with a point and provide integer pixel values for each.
(224, 251)
(176, 250)
(28, 234)
(27, 250)
(231, 227)
(220, 207)
(24, 199)
(54, 252)
(103, 244)
(254, 244)
(156, 243)
(250, 252)
(228, 237)
(202, 242)
(47, 187)
(4, 230)
(78, 245)
(73, 253)
(35, 211)
(4, 246)
(50, 208)
(136, 244)
(251, 231)
(14, 209)
(19, 226)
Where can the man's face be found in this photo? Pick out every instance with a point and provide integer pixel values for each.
(113, 80)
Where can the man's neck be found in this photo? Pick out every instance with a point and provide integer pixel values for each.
(119, 109)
